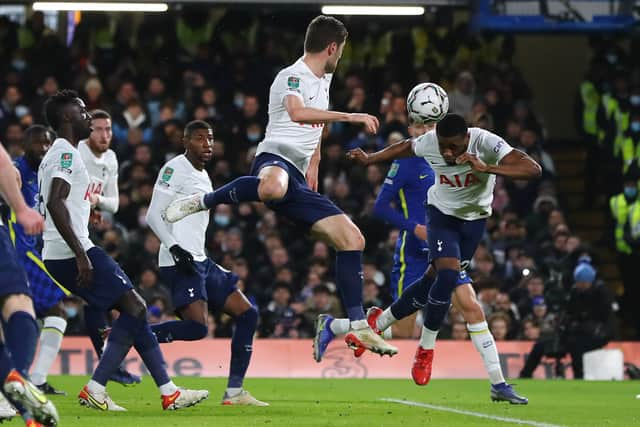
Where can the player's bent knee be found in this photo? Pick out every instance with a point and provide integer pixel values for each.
(353, 240)
(17, 302)
(271, 189)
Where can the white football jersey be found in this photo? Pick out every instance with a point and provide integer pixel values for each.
(460, 191)
(63, 161)
(178, 178)
(295, 142)
(103, 172)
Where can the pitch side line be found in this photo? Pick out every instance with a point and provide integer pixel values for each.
(470, 413)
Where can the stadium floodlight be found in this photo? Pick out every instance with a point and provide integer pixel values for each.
(372, 10)
(100, 7)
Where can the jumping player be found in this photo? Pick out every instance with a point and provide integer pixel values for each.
(465, 161)
(102, 191)
(284, 174)
(194, 279)
(85, 269)
(401, 202)
(19, 325)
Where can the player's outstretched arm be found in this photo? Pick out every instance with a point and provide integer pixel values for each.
(394, 151)
(299, 113)
(60, 215)
(515, 165)
(10, 190)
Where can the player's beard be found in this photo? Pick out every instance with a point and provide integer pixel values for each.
(329, 67)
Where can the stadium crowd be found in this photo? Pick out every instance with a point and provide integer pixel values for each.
(525, 269)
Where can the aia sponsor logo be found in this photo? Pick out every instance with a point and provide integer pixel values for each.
(458, 181)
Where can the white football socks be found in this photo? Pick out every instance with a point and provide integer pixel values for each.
(50, 341)
(486, 346)
(340, 326)
(428, 338)
(385, 320)
(168, 389)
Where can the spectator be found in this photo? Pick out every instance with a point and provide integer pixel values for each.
(461, 98)
(278, 319)
(499, 326)
(320, 302)
(459, 331)
(588, 320)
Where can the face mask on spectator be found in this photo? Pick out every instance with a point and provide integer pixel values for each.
(238, 101)
(253, 136)
(635, 126)
(71, 312)
(110, 247)
(221, 220)
(19, 64)
(630, 192)
(635, 100)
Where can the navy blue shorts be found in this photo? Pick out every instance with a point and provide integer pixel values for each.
(301, 204)
(109, 281)
(46, 293)
(212, 284)
(451, 237)
(13, 279)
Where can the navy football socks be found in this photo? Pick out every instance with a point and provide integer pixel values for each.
(179, 330)
(241, 346)
(147, 347)
(413, 298)
(123, 333)
(439, 298)
(243, 189)
(21, 338)
(349, 282)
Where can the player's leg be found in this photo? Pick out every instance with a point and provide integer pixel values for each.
(269, 182)
(47, 297)
(412, 299)
(20, 330)
(20, 334)
(224, 296)
(113, 288)
(408, 298)
(54, 324)
(95, 319)
(345, 237)
(444, 234)
(246, 320)
(189, 296)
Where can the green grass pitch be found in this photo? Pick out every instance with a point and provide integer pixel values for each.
(356, 402)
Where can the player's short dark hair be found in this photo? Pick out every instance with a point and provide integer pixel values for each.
(451, 125)
(34, 131)
(322, 31)
(195, 125)
(55, 104)
(100, 114)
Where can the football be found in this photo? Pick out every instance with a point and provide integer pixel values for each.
(427, 102)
